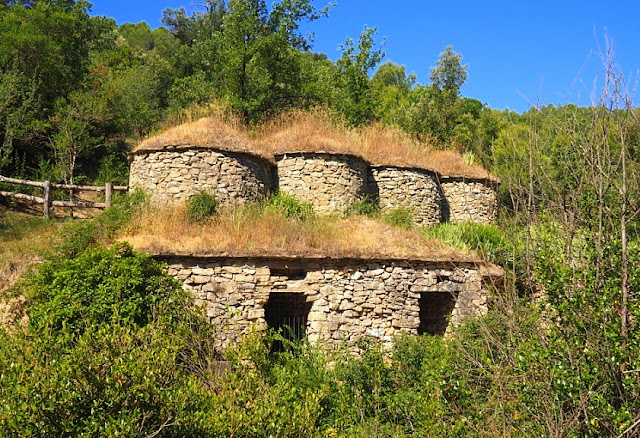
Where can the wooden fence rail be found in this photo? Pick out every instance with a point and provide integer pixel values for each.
(47, 186)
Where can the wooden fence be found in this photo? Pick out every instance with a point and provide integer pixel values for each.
(47, 186)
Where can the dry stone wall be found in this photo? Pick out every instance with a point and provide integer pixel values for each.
(345, 299)
(173, 176)
(469, 200)
(331, 182)
(414, 189)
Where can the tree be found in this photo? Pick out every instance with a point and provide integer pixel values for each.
(259, 54)
(437, 109)
(449, 74)
(392, 86)
(355, 98)
(44, 54)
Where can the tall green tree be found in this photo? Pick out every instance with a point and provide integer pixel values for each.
(44, 55)
(449, 74)
(392, 86)
(355, 97)
(437, 109)
(259, 54)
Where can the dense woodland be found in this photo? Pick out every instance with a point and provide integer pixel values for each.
(127, 354)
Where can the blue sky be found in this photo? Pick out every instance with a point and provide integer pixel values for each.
(517, 52)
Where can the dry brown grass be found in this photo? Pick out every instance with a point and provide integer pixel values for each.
(249, 231)
(23, 239)
(316, 131)
(214, 132)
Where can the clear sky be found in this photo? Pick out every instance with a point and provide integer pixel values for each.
(518, 52)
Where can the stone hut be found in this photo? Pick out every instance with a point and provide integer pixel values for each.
(470, 199)
(174, 174)
(412, 188)
(329, 181)
(333, 300)
(208, 155)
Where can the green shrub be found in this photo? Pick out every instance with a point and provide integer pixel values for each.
(399, 217)
(290, 206)
(201, 206)
(83, 234)
(366, 206)
(114, 169)
(101, 286)
(111, 349)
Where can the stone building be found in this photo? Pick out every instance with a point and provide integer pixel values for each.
(330, 181)
(334, 300)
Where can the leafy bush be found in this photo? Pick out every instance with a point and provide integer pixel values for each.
(290, 206)
(107, 351)
(399, 217)
(98, 287)
(113, 169)
(201, 206)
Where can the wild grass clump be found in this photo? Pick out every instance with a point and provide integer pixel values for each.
(201, 207)
(399, 217)
(289, 206)
(367, 206)
(490, 242)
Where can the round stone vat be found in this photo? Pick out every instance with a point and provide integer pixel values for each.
(172, 176)
(415, 189)
(470, 200)
(329, 181)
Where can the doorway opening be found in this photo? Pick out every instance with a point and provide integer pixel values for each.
(435, 312)
(287, 313)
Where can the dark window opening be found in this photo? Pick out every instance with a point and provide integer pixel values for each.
(287, 313)
(290, 273)
(435, 312)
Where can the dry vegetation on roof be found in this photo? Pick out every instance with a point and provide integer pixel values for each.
(213, 132)
(251, 231)
(313, 131)
(301, 131)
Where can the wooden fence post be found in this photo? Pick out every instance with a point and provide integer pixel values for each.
(108, 188)
(47, 200)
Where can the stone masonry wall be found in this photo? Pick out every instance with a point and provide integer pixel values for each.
(348, 299)
(331, 182)
(415, 189)
(470, 200)
(173, 176)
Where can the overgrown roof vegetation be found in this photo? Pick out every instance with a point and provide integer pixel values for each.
(262, 230)
(315, 131)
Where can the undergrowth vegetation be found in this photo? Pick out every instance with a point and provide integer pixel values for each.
(201, 206)
(113, 346)
(282, 225)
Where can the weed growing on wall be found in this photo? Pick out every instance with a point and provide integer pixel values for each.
(399, 217)
(367, 206)
(201, 206)
(289, 206)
